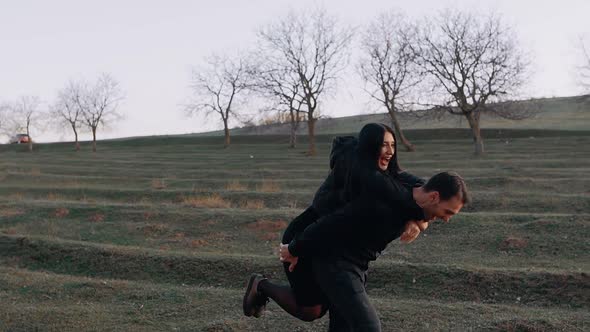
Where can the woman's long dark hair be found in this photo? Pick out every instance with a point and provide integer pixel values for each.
(369, 147)
(368, 151)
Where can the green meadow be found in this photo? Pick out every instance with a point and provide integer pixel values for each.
(161, 233)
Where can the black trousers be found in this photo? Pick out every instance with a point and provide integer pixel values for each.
(343, 283)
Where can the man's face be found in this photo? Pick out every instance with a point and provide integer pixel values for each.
(443, 210)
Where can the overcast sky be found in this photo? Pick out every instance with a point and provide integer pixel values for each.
(150, 47)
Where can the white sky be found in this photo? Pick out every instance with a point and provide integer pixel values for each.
(151, 46)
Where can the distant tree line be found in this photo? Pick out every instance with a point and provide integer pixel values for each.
(456, 62)
(80, 106)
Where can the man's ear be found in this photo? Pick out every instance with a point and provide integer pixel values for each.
(434, 197)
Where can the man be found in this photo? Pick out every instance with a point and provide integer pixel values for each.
(342, 245)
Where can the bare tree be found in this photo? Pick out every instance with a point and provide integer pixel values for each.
(282, 87)
(98, 104)
(67, 110)
(473, 62)
(24, 116)
(584, 67)
(217, 89)
(3, 111)
(313, 47)
(388, 64)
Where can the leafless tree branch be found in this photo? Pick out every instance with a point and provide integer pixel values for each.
(388, 64)
(217, 88)
(472, 62)
(312, 49)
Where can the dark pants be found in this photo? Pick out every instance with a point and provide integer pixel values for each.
(343, 283)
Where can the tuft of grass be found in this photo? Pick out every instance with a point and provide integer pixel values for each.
(197, 243)
(61, 212)
(97, 217)
(253, 204)
(268, 225)
(158, 184)
(16, 196)
(11, 212)
(35, 171)
(268, 186)
(54, 197)
(208, 201)
(154, 230)
(235, 186)
(513, 243)
(9, 231)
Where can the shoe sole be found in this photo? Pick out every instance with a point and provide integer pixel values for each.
(248, 291)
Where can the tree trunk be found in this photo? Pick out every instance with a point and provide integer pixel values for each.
(226, 131)
(399, 133)
(293, 137)
(311, 133)
(475, 129)
(293, 133)
(30, 139)
(76, 138)
(94, 139)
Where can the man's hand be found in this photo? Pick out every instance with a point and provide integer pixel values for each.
(285, 256)
(412, 230)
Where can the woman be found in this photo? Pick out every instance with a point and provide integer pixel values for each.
(367, 166)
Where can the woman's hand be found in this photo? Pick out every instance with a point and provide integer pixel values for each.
(423, 225)
(412, 230)
(285, 256)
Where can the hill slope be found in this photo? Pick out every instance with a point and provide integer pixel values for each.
(564, 113)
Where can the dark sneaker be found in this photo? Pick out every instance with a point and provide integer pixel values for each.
(254, 303)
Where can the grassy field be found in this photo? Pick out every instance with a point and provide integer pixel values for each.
(161, 233)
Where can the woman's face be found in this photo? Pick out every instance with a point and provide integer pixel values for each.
(387, 151)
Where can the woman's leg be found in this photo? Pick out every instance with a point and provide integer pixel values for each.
(285, 297)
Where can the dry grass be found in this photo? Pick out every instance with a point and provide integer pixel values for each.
(268, 225)
(16, 197)
(235, 186)
(209, 201)
(61, 212)
(85, 199)
(153, 230)
(148, 215)
(72, 184)
(50, 228)
(513, 242)
(54, 197)
(10, 231)
(268, 230)
(158, 184)
(35, 171)
(253, 204)
(144, 201)
(210, 222)
(97, 217)
(197, 243)
(268, 186)
(11, 212)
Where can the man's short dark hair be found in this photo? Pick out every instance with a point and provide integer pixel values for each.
(448, 185)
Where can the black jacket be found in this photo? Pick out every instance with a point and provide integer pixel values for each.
(338, 188)
(363, 228)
